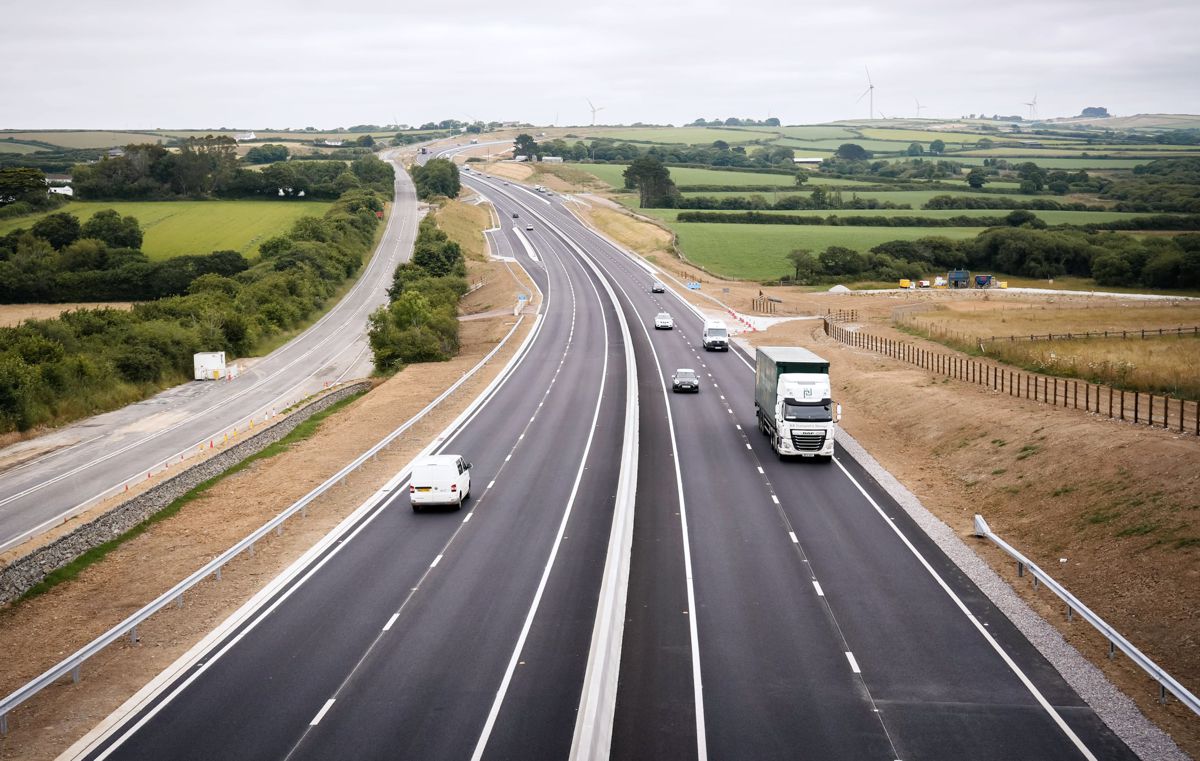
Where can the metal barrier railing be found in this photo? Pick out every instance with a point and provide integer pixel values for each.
(1166, 682)
(71, 665)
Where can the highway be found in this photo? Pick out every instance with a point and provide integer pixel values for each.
(45, 480)
(774, 609)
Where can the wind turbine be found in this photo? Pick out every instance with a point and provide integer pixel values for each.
(1033, 107)
(869, 91)
(594, 110)
(919, 106)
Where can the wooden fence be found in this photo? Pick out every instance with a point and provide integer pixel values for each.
(973, 339)
(1131, 406)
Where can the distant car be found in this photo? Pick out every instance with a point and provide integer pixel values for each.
(506, 183)
(657, 287)
(439, 480)
(528, 227)
(515, 215)
(663, 321)
(685, 379)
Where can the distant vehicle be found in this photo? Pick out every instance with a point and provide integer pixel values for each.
(439, 480)
(792, 402)
(515, 215)
(506, 183)
(985, 281)
(685, 379)
(657, 287)
(922, 283)
(715, 336)
(663, 321)
(528, 227)
(424, 150)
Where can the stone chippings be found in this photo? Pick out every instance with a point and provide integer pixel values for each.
(1112, 706)
(23, 573)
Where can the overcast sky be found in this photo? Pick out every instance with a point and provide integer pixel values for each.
(139, 64)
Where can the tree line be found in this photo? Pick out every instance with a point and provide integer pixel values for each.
(208, 167)
(1111, 259)
(420, 321)
(88, 361)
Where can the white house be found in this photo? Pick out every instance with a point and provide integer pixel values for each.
(808, 159)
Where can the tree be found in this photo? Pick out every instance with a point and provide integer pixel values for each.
(117, 231)
(21, 184)
(61, 229)
(984, 143)
(852, 152)
(1111, 269)
(976, 178)
(805, 267)
(525, 145)
(915, 149)
(653, 182)
(1094, 112)
(438, 177)
(937, 147)
(839, 260)
(267, 154)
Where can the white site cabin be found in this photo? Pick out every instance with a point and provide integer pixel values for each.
(209, 365)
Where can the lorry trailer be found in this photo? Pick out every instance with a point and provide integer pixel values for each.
(793, 404)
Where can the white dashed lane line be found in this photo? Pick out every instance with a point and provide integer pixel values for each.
(853, 663)
(321, 714)
(392, 620)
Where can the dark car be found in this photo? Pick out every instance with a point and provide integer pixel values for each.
(515, 215)
(685, 379)
(657, 287)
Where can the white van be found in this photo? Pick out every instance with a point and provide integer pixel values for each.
(715, 336)
(443, 479)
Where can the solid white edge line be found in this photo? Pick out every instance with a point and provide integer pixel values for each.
(498, 701)
(1029, 685)
(693, 615)
(853, 663)
(321, 714)
(253, 606)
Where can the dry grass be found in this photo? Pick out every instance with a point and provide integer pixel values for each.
(465, 223)
(980, 318)
(1165, 365)
(12, 315)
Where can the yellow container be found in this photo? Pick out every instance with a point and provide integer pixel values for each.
(1003, 283)
(905, 283)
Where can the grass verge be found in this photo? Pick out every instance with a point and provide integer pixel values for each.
(71, 570)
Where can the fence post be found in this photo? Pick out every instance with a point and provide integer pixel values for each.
(1055, 400)
(1181, 416)
(1075, 400)
(1087, 396)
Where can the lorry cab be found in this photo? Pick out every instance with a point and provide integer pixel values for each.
(440, 480)
(715, 336)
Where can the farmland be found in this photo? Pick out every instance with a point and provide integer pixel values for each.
(1049, 217)
(612, 174)
(676, 135)
(174, 228)
(86, 139)
(8, 146)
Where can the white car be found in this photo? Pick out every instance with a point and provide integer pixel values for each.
(663, 321)
(528, 227)
(443, 479)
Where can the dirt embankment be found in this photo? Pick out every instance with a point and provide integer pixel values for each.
(45, 629)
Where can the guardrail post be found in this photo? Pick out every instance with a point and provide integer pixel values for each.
(179, 600)
(218, 573)
(75, 674)
(1162, 693)
(1070, 613)
(279, 529)
(1112, 650)
(133, 635)
(1021, 570)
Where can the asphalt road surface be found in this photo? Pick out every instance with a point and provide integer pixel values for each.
(775, 610)
(51, 477)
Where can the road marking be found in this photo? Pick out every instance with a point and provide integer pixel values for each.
(792, 534)
(1045, 704)
(817, 586)
(735, 425)
(760, 470)
(436, 560)
(320, 714)
(507, 457)
(853, 663)
(467, 517)
(388, 625)
(748, 446)
(491, 484)
(775, 499)
(722, 395)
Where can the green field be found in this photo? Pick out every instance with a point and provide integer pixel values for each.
(1033, 154)
(922, 136)
(759, 252)
(78, 139)
(612, 174)
(7, 146)
(809, 133)
(1053, 163)
(1049, 217)
(819, 146)
(673, 135)
(173, 228)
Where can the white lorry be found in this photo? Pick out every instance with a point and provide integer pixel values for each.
(715, 336)
(793, 403)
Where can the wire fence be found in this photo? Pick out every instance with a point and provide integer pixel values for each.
(1144, 408)
(939, 331)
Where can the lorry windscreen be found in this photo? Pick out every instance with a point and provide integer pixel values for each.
(813, 412)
